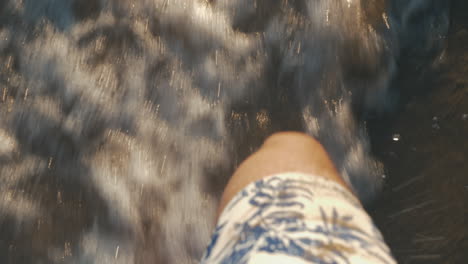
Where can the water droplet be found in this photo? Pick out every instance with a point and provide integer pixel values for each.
(396, 137)
(26, 94)
(162, 166)
(4, 94)
(67, 249)
(59, 197)
(49, 165)
(385, 18)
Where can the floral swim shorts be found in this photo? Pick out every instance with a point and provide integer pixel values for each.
(295, 218)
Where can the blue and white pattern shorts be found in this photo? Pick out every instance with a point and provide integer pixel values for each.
(295, 218)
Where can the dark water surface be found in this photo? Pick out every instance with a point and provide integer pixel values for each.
(424, 209)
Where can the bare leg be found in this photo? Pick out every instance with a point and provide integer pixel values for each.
(282, 152)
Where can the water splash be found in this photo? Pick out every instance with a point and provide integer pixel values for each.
(115, 115)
